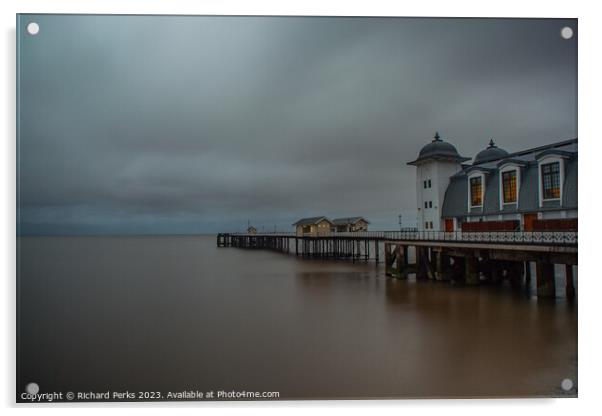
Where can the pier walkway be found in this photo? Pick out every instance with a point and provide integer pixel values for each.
(469, 257)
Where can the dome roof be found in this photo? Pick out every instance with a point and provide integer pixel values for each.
(492, 152)
(439, 149)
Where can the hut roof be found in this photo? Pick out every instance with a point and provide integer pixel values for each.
(349, 220)
(311, 220)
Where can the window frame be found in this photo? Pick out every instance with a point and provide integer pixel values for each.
(509, 167)
(476, 175)
(546, 161)
(509, 178)
(554, 173)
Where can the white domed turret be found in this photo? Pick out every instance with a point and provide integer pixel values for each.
(436, 163)
(438, 150)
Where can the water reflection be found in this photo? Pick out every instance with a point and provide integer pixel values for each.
(169, 313)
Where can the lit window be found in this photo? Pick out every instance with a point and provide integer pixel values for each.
(476, 187)
(509, 186)
(550, 180)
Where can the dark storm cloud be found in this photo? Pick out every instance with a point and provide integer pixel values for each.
(196, 124)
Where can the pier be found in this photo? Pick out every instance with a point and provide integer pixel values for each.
(467, 257)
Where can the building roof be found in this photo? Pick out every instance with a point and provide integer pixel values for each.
(349, 220)
(528, 155)
(438, 150)
(492, 152)
(455, 203)
(311, 220)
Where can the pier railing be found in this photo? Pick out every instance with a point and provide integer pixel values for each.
(500, 237)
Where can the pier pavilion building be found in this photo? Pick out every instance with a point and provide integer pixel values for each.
(531, 190)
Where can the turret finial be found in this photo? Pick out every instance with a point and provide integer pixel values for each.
(437, 137)
(491, 143)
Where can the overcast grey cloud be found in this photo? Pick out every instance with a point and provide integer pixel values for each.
(165, 124)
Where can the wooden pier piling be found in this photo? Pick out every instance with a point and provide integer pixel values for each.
(471, 273)
(546, 286)
(570, 286)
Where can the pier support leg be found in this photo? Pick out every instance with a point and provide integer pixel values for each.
(431, 263)
(421, 271)
(402, 262)
(471, 273)
(528, 277)
(570, 286)
(376, 253)
(546, 286)
(438, 265)
(394, 261)
(389, 259)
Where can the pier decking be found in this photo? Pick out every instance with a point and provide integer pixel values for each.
(469, 257)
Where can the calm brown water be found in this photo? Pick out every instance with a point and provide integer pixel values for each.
(177, 313)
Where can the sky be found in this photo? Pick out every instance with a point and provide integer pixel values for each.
(190, 124)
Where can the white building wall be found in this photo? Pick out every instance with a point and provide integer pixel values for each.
(423, 173)
(439, 173)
